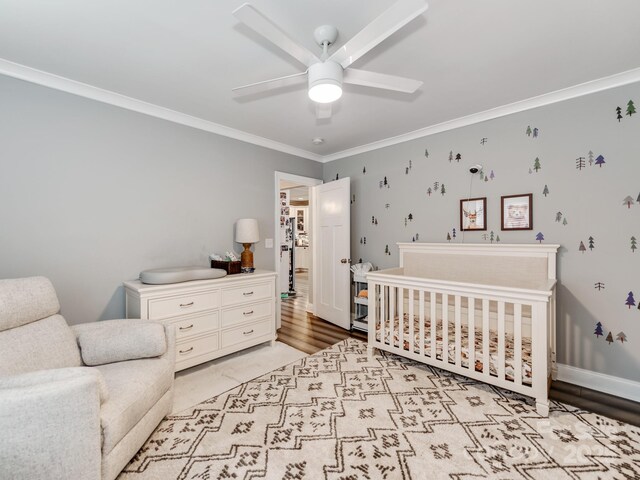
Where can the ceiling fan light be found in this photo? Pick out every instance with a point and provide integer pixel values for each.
(325, 82)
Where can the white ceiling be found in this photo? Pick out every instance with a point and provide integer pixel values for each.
(187, 55)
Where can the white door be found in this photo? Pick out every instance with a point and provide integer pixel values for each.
(332, 232)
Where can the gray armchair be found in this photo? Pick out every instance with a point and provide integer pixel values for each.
(76, 402)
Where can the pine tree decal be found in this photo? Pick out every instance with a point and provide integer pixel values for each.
(609, 338)
(453, 232)
(528, 132)
(580, 163)
(442, 190)
(406, 171)
(591, 246)
(386, 250)
(633, 245)
(590, 155)
(598, 286)
(436, 186)
(621, 337)
(540, 237)
(429, 191)
(564, 221)
(410, 217)
(458, 157)
(417, 236)
(582, 248)
(558, 216)
(618, 114)
(492, 175)
(545, 190)
(337, 176)
(536, 165)
(426, 153)
(451, 156)
(448, 237)
(535, 132)
(631, 302)
(492, 236)
(364, 170)
(631, 108)
(498, 238)
(598, 331)
(628, 201)
(600, 161)
(385, 182)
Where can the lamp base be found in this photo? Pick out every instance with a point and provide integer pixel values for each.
(246, 259)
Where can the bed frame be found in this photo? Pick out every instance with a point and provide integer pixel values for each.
(508, 291)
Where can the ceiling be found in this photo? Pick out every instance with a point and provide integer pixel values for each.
(186, 56)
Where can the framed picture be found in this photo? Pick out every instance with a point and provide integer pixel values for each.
(473, 214)
(516, 212)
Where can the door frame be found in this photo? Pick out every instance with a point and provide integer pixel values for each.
(303, 181)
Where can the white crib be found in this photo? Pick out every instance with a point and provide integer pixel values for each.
(493, 308)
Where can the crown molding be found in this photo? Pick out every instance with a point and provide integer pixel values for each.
(593, 86)
(67, 85)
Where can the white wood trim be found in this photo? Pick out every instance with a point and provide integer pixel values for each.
(50, 80)
(619, 387)
(85, 90)
(586, 88)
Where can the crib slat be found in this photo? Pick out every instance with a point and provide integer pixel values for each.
(485, 337)
(501, 355)
(382, 319)
(517, 344)
(458, 334)
(445, 328)
(433, 325)
(372, 314)
(392, 315)
(471, 345)
(421, 310)
(412, 336)
(400, 317)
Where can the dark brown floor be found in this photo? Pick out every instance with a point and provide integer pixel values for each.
(311, 334)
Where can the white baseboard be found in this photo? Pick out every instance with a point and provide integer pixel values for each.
(311, 308)
(620, 387)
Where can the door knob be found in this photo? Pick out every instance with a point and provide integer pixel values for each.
(345, 260)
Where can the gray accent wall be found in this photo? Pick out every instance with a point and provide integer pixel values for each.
(91, 194)
(591, 200)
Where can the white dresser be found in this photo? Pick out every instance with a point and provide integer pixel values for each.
(212, 317)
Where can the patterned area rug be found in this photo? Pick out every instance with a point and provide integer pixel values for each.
(339, 415)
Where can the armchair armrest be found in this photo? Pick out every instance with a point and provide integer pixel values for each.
(50, 424)
(120, 340)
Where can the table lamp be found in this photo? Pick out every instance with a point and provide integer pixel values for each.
(246, 234)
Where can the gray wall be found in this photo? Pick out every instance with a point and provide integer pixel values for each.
(591, 200)
(91, 194)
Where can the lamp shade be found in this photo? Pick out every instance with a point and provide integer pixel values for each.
(247, 230)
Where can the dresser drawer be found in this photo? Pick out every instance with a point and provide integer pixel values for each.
(246, 313)
(188, 349)
(195, 324)
(247, 332)
(249, 293)
(183, 304)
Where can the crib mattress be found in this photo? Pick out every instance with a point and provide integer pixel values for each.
(451, 348)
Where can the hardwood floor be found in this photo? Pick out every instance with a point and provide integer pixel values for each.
(311, 334)
(305, 331)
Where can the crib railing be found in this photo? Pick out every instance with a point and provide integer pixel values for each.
(496, 335)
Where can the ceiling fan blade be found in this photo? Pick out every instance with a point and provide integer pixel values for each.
(392, 20)
(272, 84)
(255, 20)
(323, 110)
(381, 80)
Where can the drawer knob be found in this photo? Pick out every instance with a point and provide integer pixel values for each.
(185, 305)
(188, 350)
(246, 294)
(188, 327)
(248, 333)
(250, 312)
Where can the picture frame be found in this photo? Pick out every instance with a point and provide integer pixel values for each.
(516, 212)
(473, 214)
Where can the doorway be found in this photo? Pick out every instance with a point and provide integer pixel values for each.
(293, 245)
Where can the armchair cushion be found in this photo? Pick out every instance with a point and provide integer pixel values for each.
(43, 377)
(119, 340)
(45, 344)
(25, 300)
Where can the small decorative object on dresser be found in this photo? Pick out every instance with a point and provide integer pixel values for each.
(212, 317)
(247, 233)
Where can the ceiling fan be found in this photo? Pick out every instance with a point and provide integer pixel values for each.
(325, 75)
